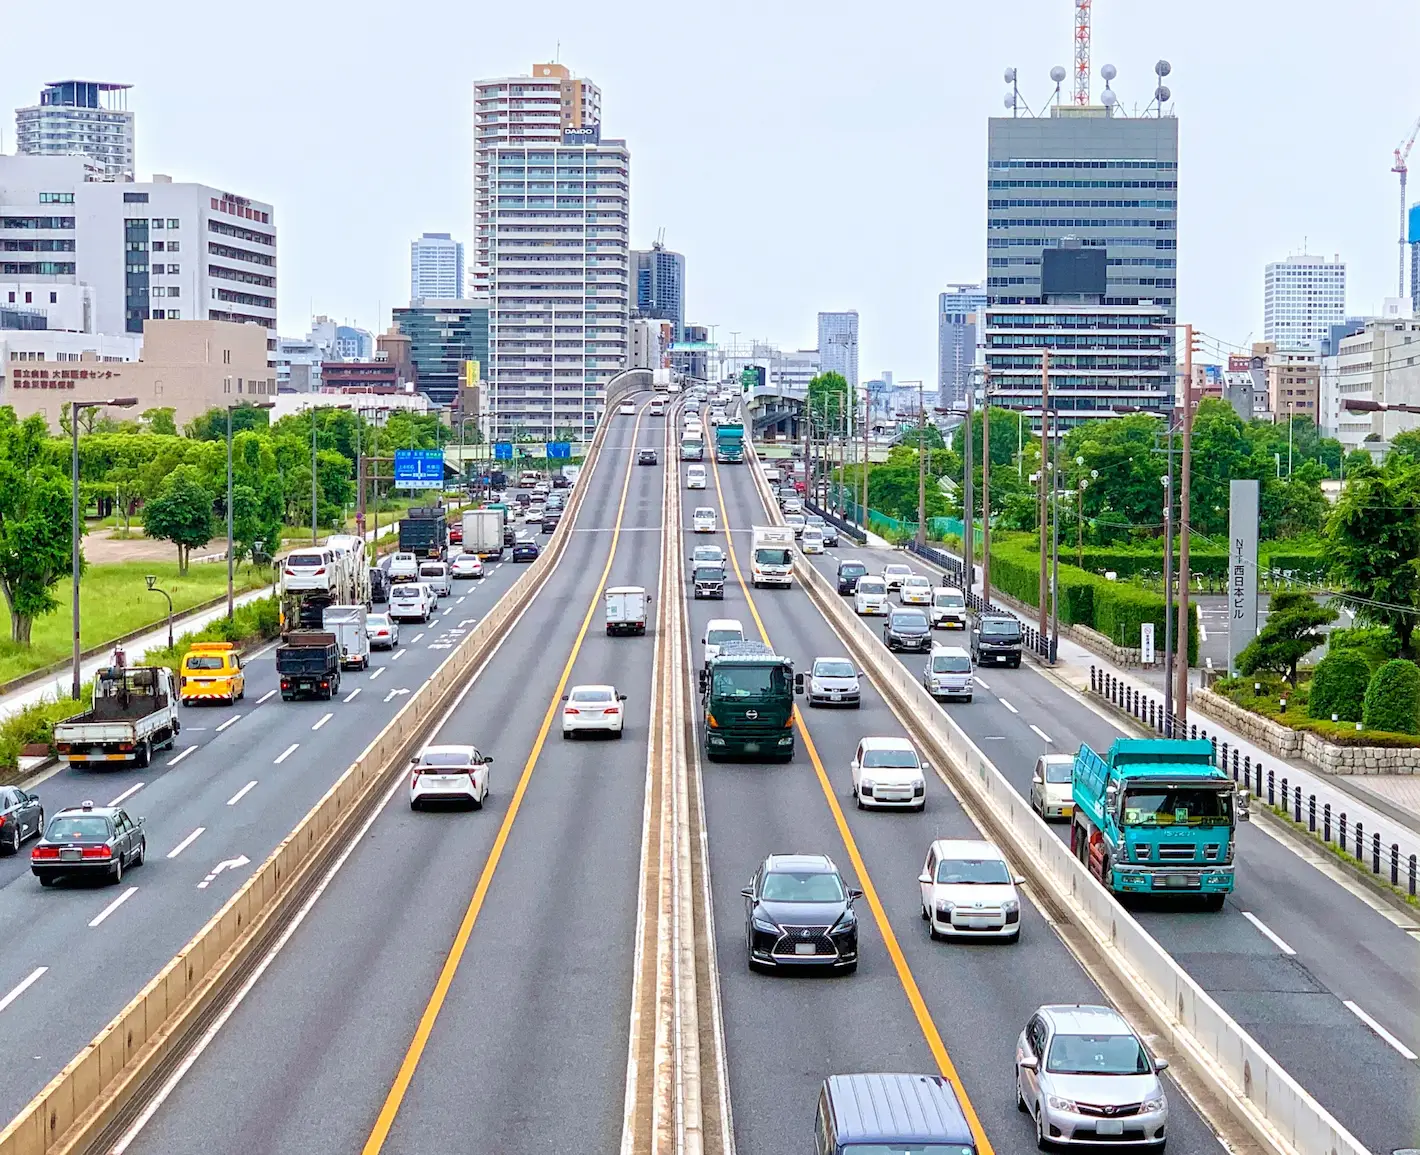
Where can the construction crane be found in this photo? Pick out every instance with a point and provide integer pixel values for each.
(1082, 51)
(1402, 155)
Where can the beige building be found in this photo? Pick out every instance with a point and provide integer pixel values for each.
(187, 366)
(1293, 381)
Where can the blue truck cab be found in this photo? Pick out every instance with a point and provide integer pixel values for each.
(874, 1113)
(1156, 816)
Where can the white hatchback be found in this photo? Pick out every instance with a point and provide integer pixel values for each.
(628, 409)
(1052, 788)
(449, 774)
(466, 565)
(968, 891)
(704, 520)
(888, 773)
(870, 595)
(915, 591)
(593, 708)
(695, 477)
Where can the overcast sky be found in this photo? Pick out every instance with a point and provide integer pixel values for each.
(803, 156)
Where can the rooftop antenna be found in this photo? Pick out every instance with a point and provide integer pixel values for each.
(1162, 93)
(1058, 75)
(1107, 97)
(1082, 51)
(1013, 98)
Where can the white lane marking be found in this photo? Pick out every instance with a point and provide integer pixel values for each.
(233, 720)
(323, 720)
(186, 842)
(181, 754)
(1008, 705)
(1267, 932)
(377, 673)
(286, 753)
(460, 601)
(463, 622)
(1202, 629)
(22, 986)
(414, 641)
(393, 694)
(451, 608)
(1042, 735)
(113, 906)
(240, 794)
(1405, 1051)
(194, 729)
(263, 698)
(129, 793)
(400, 654)
(225, 864)
(350, 696)
(982, 683)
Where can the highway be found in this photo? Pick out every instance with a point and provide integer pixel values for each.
(1293, 956)
(465, 977)
(239, 779)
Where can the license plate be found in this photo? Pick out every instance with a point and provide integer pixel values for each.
(803, 948)
(1181, 881)
(1109, 1127)
(978, 923)
(70, 855)
(835, 693)
(96, 752)
(751, 747)
(1067, 811)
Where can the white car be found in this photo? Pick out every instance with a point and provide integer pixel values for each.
(915, 591)
(719, 631)
(435, 575)
(771, 474)
(895, 574)
(596, 708)
(383, 632)
(968, 890)
(796, 522)
(466, 565)
(695, 477)
(704, 520)
(1052, 786)
(811, 540)
(888, 773)
(448, 774)
(948, 673)
(707, 555)
(792, 505)
(403, 567)
(411, 602)
(870, 595)
(628, 409)
(948, 609)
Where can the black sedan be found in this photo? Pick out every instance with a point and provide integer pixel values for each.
(525, 551)
(550, 520)
(646, 457)
(89, 841)
(848, 574)
(907, 630)
(798, 913)
(21, 815)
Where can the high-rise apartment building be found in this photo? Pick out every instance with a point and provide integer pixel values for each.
(436, 268)
(660, 285)
(838, 344)
(1303, 297)
(80, 118)
(523, 111)
(961, 326)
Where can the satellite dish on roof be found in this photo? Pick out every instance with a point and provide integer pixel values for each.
(1162, 94)
(1057, 74)
(1109, 72)
(1163, 68)
(1010, 76)
(1010, 100)
(1108, 99)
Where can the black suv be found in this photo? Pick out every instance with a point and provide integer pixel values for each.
(995, 638)
(848, 574)
(709, 581)
(907, 630)
(646, 457)
(798, 913)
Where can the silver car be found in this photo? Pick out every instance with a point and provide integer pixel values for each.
(834, 682)
(1084, 1077)
(947, 673)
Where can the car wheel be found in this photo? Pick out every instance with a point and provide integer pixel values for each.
(620, 733)
(1020, 1099)
(242, 693)
(1041, 1141)
(1013, 938)
(142, 853)
(12, 846)
(145, 755)
(566, 734)
(858, 798)
(415, 804)
(932, 932)
(116, 874)
(1211, 901)
(925, 916)
(850, 969)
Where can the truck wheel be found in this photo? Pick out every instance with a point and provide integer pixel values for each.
(1214, 901)
(145, 756)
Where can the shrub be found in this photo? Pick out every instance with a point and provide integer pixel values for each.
(1393, 698)
(1339, 686)
(255, 621)
(1370, 640)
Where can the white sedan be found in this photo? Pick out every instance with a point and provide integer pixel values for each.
(466, 565)
(704, 520)
(968, 891)
(384, 633)
(915, 591)
(595, 708)
(449, 774)
(895, 575)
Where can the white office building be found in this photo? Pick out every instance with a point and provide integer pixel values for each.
(1380, 365)
(1303, 297)
(838, 344)
(436, 268)
(81, 118)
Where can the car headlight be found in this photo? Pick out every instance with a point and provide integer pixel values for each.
(1060, 1104)
(919, 786)
(866, 783)
(846, 924)
(762, 923)
(944, 908)
(1155, 1104)
(1010, 905)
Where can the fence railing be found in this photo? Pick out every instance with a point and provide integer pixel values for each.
(843, 525)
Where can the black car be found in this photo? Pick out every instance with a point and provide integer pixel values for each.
(907, 630)
(560, 481)
(995, 639)
(89, 841)
(646, 457)
(798, 913)
(21, 815)
(379, 585)
(848, 574)
(550, 520)
(709, 581)
(525, 551)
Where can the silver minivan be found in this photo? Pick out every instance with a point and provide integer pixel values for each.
(435, 575)
(948, 673)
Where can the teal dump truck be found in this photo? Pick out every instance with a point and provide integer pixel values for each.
(730, 443)
(1156, 816)
(747, 704)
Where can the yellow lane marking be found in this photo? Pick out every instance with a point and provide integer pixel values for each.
(390, 1109)
(870, 891)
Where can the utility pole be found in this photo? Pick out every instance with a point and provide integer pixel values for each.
(968, 505)
(867, 424)
(1044, 458)
(985, 487)
(1181, 690)
(1168, 588)
(1055, 548)
(921, 468)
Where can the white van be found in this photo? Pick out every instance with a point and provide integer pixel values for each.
(871, 596)
(695, 477)
(719, 632)
(411, 602)
(435, 575)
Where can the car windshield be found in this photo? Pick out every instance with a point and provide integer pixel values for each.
(898, 759)
(951, 664)
(852, 569)
(405, 593)
(917, 580)
(720, 637)
(709, 573)
(772, 556)
(203, 662)
(897, 570)
(446, 758)
(909, 622)
(1006, 627)
(708, 553)
(593, 695)
(704, 512)
(834, 668)
(1162, 806)
(970, 871)
(871, 586)
(950, 599)
(1097, 1055)
(1061, 772)
(751, 682)
(77, 828)
(786, 887)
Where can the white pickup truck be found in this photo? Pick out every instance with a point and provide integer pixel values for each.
(134, 713)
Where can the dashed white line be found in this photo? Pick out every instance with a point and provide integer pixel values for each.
(1008, 705)
(240, 794)
(351, 696)
(129, 793)
(1202, 631)
(22, 986)
(448, 611)
(323, 720)
(1042, 735)
(982, 683)
(232, 721)
(286, 753)
(186, 842)
(1405, 1051)
(399, 655)
(181, 754)
(263, 698)
(1267, 932)
(415, 640)
(113, 906)
(460, 601)
(378, 673)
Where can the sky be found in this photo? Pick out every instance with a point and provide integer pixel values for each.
(803, 156)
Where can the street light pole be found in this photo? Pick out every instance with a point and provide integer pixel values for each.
(968, 504)
(985, 487)
(921, 468)
(1044, 460)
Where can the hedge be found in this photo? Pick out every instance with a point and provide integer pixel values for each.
(1204, 561)
(35, 724)
(1339, 685)
(1393, 698)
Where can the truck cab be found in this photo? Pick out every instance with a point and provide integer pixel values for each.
(211, 672)
(747, 699)
(771, 561)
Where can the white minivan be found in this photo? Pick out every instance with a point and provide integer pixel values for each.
(695, 477)
(411, 602)
(719, 632)
(435, 575)
(870, 596)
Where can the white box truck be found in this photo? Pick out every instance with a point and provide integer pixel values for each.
(349, 624)
(771, 561)
(626, 610)
(483, 533)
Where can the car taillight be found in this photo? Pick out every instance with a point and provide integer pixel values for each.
(62, 747)
(319, 572)
(290, 572)
(2, 819)
(40, 853)
(126, 747)
(612, 710)
(571, 710)
(97, 852)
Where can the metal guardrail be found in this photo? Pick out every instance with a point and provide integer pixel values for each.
(847, 528)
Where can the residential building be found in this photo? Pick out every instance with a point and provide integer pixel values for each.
(436, 268)
(347, 375)
(560, 284)
(1293, 381)
(443, 335)
(522, 111)
(660, 285)
(651, 342)
(1245, 386)
(838, 344)
(693, 361)
(83, 118)
(1380, 364)
(960, 341)
(396, 348)
(342, 342)
(1303, 297)
(298, 362)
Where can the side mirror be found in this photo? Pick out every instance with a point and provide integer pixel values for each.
(926, 767)
(1037, 780)
(566, 697)
(1018, 880)
(924, 878)
(142, 821)
(747, 891)
(1028, 1063)
(621, 697)
(704, 681)
(488, 759)
(798, 683)
(854, 895)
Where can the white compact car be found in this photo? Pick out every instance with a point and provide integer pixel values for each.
(948, 610)
(695, 477)
(811, 540)
(704, 520)
(796, 521)
(448, 774)
(870, 596)
(707, 555)
(404, 567)
(948, 673)
(1052, 789)
(888, 773)
(895, 574)
(382, 631)
(719, 631)
(915, 591)
(411, 602)
(435, 575)
(466, 565)
(593, 708)
(968, 890)
(771, 474)
(309, 569)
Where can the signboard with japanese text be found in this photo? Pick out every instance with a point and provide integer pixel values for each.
(1242, 568)
(559, 450)
(503, 451)
(419, 468)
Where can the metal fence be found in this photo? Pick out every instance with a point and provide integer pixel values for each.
(845, 527)
(1333, 829)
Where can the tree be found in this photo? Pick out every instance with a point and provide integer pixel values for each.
(161, 421)
(1339, 686)
(1291, 633)
(1005, 432)
(181, 513)
(829, 399)
(1121, 450)
(35, 522)
(1374, 538)
(1393, 699)
(212, 425)
(127, 492)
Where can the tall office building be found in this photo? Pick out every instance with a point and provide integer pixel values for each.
(436, 268)
(660, 285)
(80, 118)
(1302, 298)
(443, 335)
(961, 324)
(523, 111)
(838, 344)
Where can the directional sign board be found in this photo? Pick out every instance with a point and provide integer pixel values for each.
(503, 451)
(559, 450)
(419, 468)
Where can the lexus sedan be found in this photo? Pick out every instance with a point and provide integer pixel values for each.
(449, 774)
(646, 457)
(89, 841)
(907, 630)
(799, 913)
(593, 708)
(525, 551)
(834, 682)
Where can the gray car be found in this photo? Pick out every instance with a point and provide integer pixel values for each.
(907, 630)
(21, 817)
(947, 673)
(834, 682)
(1084, 1077)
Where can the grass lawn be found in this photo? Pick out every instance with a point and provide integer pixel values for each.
(114, 600)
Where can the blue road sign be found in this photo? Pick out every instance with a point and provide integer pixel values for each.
(419, 468)
(503, 451)
(559, 449)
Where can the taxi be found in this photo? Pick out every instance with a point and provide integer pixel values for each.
(211, 672)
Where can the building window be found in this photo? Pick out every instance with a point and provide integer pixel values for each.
(174, 315)
(157, 246)
(174, 291)
(172, 222)
(48, 198)
(157, 222)
(157, 314)
(172, 246)
(135, 198)
(54, 298)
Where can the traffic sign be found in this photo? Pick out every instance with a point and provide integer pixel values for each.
(419, 468)
(559, 450)
(503, 451)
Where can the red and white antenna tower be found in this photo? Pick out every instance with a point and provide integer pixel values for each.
(1082, 51)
